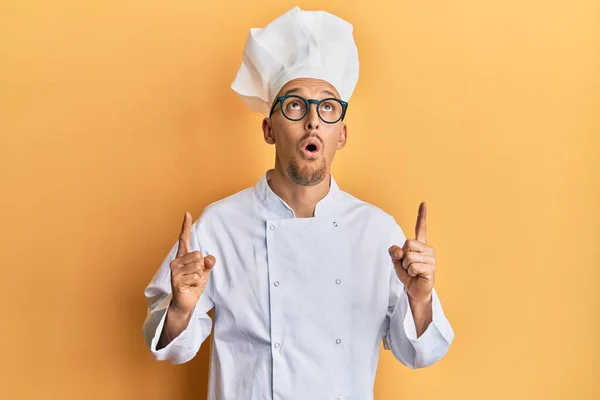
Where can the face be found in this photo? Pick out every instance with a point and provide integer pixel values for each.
(305, 149)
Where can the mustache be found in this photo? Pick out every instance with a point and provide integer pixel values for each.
(311, 135)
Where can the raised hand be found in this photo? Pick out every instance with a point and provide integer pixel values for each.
(415, 261)
(189, 271)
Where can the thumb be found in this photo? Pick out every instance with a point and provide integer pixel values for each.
(397, 254)
(209, 262)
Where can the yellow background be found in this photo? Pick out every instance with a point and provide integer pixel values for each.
(117, 116)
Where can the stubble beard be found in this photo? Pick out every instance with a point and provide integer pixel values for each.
(307, 175)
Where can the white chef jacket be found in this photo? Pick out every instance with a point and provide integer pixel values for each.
(301, 304)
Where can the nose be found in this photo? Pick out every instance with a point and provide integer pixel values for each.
(312, 121)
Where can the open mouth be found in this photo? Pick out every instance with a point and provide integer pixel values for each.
(311, 148)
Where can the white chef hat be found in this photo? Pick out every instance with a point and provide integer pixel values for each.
(298, 44)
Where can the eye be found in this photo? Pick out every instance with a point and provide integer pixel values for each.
(294, 105)
(328, 106)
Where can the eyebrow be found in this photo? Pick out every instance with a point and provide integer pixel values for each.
(296, 90)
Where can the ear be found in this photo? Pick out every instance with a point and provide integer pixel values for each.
(343, 136)
(267, 131)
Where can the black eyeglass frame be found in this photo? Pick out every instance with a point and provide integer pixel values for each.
(307, 103)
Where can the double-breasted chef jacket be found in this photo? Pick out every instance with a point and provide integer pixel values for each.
(300, 304)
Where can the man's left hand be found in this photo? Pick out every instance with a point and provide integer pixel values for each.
(415, 262)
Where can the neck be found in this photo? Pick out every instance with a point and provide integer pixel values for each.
(302, 199)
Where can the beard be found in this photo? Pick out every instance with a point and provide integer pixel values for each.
(310, 174)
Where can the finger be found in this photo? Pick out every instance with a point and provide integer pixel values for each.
(418, 247)
(191, 280)
(421, 227)
(184, 238)
(193, 268)
(405, 263)
(423, 270)
(192, 257)
(412, 257)
(197, 265)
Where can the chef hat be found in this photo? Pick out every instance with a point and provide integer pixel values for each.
(298, 44)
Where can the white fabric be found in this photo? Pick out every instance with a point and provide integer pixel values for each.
(301, 304)
(298, 44)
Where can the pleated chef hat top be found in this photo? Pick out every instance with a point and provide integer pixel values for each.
(298, 44)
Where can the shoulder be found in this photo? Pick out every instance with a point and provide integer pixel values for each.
(372, 220)
(363, 210)
(236, 204)
(231, 204)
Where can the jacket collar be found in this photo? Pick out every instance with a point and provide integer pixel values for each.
(272, 202)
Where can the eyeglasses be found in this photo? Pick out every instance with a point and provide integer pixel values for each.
(294, 108)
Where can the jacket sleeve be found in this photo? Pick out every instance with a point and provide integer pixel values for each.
(400, 331)
(158, 295)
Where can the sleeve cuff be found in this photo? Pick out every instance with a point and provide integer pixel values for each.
(181, 346)
(439, 325)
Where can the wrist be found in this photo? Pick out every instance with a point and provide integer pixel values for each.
(178, 313)
(421, 302)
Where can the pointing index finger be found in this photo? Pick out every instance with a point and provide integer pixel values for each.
(421, 227)
(183, 246)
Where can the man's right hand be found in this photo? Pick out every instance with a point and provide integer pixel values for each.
(189, 272)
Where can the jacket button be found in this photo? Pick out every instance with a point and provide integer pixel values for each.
(276, 283)
(337, 281)
(338, 341)
(334, 223)
(272, 227)
(277, 345)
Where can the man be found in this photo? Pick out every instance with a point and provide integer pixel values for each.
(305, 279)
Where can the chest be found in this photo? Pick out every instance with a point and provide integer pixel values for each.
(314, 274)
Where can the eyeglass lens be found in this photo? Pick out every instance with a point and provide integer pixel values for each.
(295, 108)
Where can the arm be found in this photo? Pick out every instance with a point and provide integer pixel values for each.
(415, 348)
(175, 323)
(422, 314)
(169, 334)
